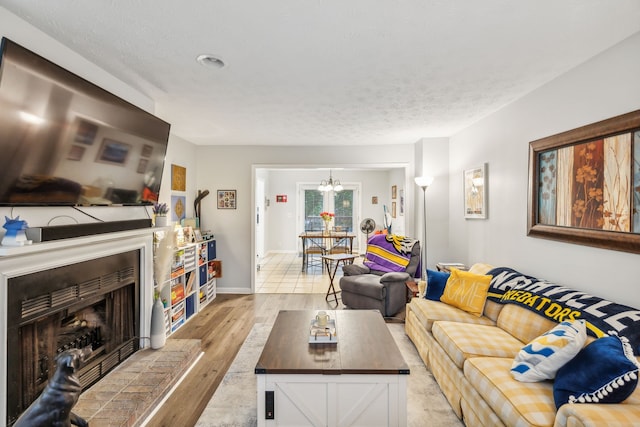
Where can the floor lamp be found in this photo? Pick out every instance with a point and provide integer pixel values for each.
(424, 182)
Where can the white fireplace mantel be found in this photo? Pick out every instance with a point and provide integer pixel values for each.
(21, 260)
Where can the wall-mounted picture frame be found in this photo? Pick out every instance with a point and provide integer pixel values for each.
(226, 199)
(76, 152)
(142, 165)
(281, 198)
(178, 208)
(374, 200)
(584, 185)
(475, 192)
(394, 191)
(393, 209)
(401, 202)
(113, 152)
(147, 150)
(178, 178)
(86, 132)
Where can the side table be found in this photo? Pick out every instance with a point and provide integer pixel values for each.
(337, 259)
(412, 289)
(447, 266)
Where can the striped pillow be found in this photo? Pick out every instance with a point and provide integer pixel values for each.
(541, 358)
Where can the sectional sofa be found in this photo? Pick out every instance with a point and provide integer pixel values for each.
(471, 354)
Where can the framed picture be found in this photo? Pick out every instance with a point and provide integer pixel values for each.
(475, 192)
(394, 191)
(86, 132)
(401, 202)
(226, 199)
(178, 178)
(374, 200)
(146, 150)
(142, 165)
(197, 234)
(76, 152)
(281, 198)
(178, 208)
(584, 185)
(393, 209)
(114, 152)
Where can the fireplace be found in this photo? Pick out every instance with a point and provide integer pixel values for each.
(93, 304)
(99, 293)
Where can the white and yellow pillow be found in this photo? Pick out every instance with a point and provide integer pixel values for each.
(541, 358)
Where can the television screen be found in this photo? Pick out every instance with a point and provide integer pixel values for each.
(64, 141)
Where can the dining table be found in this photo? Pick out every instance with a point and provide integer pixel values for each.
(333, 242)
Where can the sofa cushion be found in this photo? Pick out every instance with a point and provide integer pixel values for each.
(605, 371)
(461, 341)
(515, 402)
(523, 324)
(436, 281)
(428, 311)
(467, 291)
(541, 358)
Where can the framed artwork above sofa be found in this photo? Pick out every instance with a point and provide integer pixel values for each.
(584, 185)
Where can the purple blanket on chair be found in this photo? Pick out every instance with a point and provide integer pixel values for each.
(389, 253)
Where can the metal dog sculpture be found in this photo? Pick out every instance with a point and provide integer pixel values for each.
(53, 407)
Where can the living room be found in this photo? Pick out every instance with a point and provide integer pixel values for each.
(596, 87)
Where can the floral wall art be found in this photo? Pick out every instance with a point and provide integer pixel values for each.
(585, 184)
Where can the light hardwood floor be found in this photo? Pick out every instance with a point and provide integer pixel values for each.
(222, 327)
(225, 323)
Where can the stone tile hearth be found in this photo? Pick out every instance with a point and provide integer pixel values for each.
(128, 394)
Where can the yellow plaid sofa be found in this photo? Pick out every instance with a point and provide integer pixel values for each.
(470, 358)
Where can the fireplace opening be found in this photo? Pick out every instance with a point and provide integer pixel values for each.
(89, 304)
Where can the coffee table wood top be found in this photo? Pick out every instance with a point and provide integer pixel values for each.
(365, 346)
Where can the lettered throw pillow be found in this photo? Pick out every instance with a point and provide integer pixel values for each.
(467, 291)
(605, 371)
(436, 281)
(541, 358)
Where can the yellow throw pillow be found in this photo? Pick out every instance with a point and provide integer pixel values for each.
(467, 291)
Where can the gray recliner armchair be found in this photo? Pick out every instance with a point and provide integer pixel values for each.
(364, 288)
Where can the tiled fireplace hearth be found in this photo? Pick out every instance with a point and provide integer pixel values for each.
(91, 291)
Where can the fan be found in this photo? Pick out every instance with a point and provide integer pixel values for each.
(367, 226)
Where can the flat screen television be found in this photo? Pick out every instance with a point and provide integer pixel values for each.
(66, 142)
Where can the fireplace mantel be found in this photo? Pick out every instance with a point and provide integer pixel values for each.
(22, 260)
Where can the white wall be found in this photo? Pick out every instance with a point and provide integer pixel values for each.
(228, 167)
(284, 220)
(434, 155)
(603, 87)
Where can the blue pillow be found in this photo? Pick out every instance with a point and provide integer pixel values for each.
(436, 281)
(605, 371)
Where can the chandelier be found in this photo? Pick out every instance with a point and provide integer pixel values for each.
(330, 184)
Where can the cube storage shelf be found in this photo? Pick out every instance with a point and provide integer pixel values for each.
(192, 283)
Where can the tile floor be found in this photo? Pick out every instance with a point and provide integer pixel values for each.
(280, 273)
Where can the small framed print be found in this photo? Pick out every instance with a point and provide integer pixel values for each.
(142, 165)
(393, 209)
(76, 152)
(178, 178)
(114, 152)
(394, 191)
(374, 200)
(226, 199)
(147, 150)
(475, 192)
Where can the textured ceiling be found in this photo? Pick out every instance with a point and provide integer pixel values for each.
(329, 72)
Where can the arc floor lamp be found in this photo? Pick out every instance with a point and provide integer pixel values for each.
(424, 182)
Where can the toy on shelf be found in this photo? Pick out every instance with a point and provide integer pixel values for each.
(16, 235)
